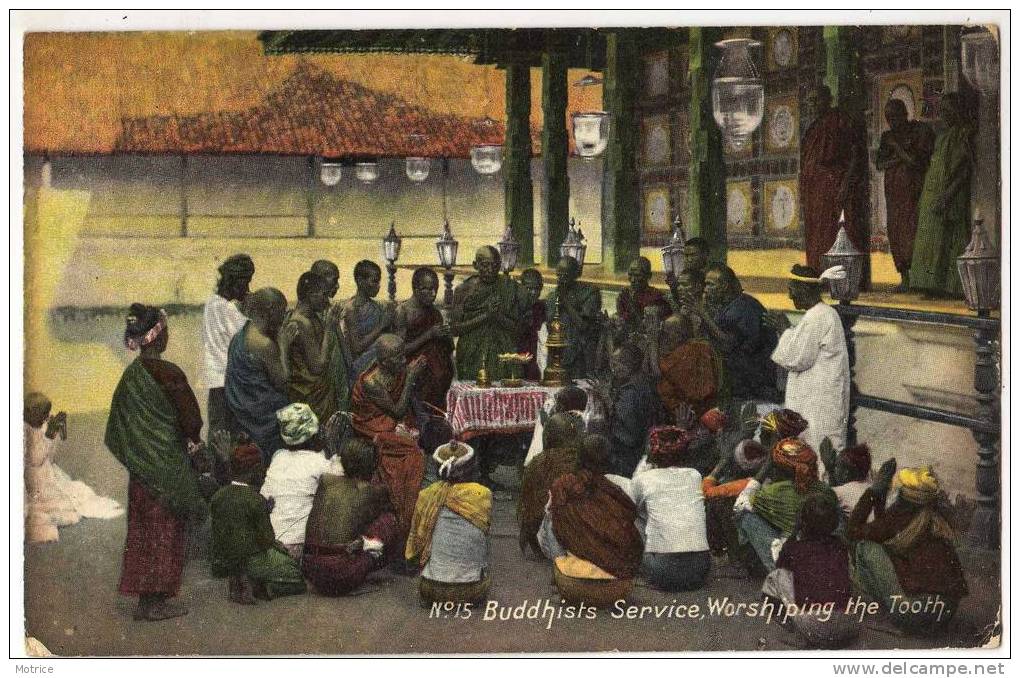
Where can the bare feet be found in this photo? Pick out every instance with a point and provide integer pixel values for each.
(158, 608)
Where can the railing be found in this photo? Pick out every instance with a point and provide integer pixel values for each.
(984, 530)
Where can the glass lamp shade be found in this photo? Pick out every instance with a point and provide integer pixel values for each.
(487, 159)
(979, 270)
(979, 54)
(843, 253)
(417, 169)
(446, 248)
(673, 252)
(509, 250)
(591, 133)
(391, 245)
(738, 95)
(573, 245)
(330, 173)
(366, 172)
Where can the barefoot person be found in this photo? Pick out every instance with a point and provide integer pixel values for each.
(308, 354)
(153, 429)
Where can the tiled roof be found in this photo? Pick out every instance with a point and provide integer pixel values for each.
(313, 112)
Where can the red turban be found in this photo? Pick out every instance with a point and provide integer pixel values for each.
(795, 455)
(667, 445)
(714, 420)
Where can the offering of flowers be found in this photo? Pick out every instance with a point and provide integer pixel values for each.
(514, 363)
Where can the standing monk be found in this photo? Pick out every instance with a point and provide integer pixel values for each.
(364, 317)
(943, 213)
(153, 429)
(834, 179)
(221, 319)
(903, 155)
(580, 309)
(341, 365)
(257, 370)
(382, 413)
(485, 316)
(633, 301)
(308, 354)
(420, 324)
(535, 316)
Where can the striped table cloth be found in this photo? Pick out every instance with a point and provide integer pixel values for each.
(473, 411)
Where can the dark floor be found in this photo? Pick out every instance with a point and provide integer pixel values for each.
(73, 608)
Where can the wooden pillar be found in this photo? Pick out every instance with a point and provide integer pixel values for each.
(519, 200)
(556, 197)
(621, 205)
(706, 187)
(842, 68)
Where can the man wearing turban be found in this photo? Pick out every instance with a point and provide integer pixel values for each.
(815, 357)
(769, 511)
(907, 550)
(294, 473)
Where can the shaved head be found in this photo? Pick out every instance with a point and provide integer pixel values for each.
(389, 345)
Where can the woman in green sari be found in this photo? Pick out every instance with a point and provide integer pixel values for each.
(153, 430)
(943, 211)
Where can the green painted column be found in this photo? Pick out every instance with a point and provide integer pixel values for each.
(621, 204)
(519, 199)
(556, 202)
(706, 188)
(842, 67)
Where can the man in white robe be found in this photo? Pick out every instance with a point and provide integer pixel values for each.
(221, 320)
(814, 354)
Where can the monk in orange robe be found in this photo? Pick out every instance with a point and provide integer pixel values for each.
(686, 367)
(381, 412)
(834, 179)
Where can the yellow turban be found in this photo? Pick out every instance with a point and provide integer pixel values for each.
(919, 485)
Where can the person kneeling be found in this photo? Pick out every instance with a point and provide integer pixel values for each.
(669, 498)
(244, 546)
(589, 531)
(449, 531)
(351, 530)
(813, 577)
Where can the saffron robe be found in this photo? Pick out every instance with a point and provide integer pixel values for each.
(484, 343)
(689, 375)
(438, 353)
(401, 464)
(824, 164)
(536, 480)
(903, 183)
(315, 390)
(631, 307)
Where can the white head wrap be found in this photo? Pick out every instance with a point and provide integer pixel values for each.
(449, 461)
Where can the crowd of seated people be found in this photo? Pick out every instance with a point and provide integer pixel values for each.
(671, 459)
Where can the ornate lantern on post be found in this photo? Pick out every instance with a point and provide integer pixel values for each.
(366, 172)
(979, 52)
(487, 158)
(673, 252)
(509, 248)
(979, 270)
(330, 172)
(446, 248)
(591, 133)
(391, 252)
(738, 95)
(843, 253)
(574, 245)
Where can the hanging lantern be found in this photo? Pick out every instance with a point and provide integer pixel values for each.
(591, 133)
(446, 248)
(673, 252)
(417, 169)
(979, 269)
(574, 245)
(843, 253)
(391, 244)
(366, 172)
(509, 249)
(330, 172)
(487, 158)
(979, 52)
(738, 95)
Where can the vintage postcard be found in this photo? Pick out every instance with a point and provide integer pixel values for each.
(551, 333)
